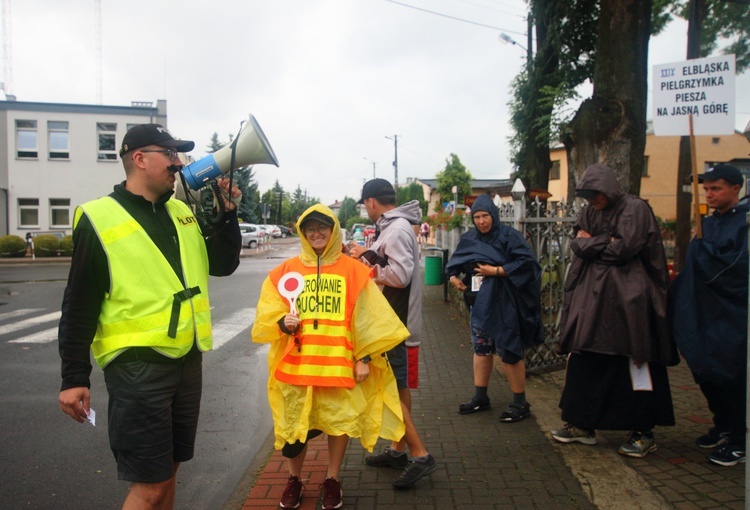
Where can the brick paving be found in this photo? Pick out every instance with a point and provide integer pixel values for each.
(485, 464)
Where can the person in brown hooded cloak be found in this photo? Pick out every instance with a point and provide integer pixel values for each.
(613, 322)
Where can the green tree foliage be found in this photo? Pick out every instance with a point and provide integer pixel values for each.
(285, 209)
(724, 23)
(348, 210)
(454, 174)
(566, 35)
(411, 192)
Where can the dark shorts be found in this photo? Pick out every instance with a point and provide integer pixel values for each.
(153, 415)
(487, 347)
(405, 364)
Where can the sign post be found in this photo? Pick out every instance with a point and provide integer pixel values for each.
(695, 97)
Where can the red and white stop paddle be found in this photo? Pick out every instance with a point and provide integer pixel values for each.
(291, 286)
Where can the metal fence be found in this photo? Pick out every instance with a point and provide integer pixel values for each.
(548, 231)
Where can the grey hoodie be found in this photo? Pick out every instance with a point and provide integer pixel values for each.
(395, 258)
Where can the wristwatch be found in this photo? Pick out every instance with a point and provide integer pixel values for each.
(365, 359)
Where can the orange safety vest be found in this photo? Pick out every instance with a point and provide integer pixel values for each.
(321, 352)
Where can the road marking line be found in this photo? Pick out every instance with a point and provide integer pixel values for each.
(42, 337)
(224, 330)
(18, 313)
(17, 326)
(228, 328)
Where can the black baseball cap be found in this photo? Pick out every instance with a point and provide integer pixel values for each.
(727, 172)
(317, 216)
(376, 188)
(152, 134)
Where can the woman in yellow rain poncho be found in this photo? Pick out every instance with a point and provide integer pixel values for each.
(326, 372)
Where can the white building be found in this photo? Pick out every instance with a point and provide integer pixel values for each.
(54, 157)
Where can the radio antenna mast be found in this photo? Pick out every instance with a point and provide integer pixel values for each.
(7, 85)
(98, 35)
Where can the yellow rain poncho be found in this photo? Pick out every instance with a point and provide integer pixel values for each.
(366, 326)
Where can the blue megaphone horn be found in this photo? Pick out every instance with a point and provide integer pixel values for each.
(251, 148)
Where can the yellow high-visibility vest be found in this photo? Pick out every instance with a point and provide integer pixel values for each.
(146, 304)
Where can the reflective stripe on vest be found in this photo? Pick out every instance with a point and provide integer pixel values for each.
(146, 295)
(322, 354)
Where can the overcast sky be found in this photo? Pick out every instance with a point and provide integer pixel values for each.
(328, 80)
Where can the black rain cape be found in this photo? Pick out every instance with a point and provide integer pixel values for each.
(708, 299)
(507, 310)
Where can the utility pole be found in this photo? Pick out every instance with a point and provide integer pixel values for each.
(685, 164)
(373, 165)
(395, 161)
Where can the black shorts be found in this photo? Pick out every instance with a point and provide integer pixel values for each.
(153, 415)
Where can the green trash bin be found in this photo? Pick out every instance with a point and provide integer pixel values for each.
(433, 270)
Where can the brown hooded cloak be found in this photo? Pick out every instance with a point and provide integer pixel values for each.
(615, 292)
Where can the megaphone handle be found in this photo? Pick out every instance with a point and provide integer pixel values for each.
(219, 201)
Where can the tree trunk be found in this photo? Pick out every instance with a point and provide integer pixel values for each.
(541, 74)
(610, 127)
(685, 162)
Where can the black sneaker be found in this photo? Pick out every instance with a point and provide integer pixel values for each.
(728, 455)
(415, 471)
(474, 406)
(712, 438)
(386, 459)
(515, 412)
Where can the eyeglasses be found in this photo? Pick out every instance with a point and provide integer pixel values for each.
(170, 153)
(320, 230)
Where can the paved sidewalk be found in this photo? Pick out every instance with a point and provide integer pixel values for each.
(486, 464)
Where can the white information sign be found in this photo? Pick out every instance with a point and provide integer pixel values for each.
(703, 88)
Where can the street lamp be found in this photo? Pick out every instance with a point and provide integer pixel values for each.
(506, 39)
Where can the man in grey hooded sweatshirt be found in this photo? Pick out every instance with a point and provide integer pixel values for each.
(394, 257)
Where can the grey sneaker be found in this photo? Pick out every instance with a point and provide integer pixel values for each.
(712, 438)
(386, 459)
(639, 444)
(572, 434)
(416, 471)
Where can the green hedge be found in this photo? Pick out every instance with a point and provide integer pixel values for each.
(66, 246)
(46, 246)
(12, 246)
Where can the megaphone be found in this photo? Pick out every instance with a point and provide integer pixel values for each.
(251, 147)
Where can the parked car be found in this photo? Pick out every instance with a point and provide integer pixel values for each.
(271, 230)
(285, 231)
(252, 235)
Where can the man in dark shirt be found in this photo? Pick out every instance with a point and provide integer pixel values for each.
(137, 297)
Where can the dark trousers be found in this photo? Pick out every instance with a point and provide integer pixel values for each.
(727, 402)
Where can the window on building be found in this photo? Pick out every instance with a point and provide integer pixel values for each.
(26, 139)
(554, 172)
(644, 170)
(59, 212)
(106, 132)
(59, 144)
(28, 212)
(715, 140)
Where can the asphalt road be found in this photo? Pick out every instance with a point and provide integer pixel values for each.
(47, 460)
